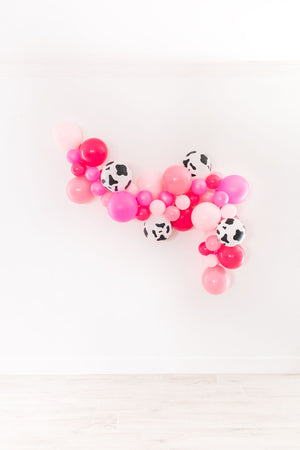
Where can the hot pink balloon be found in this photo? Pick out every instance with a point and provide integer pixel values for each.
(67, 136)
(215, 280)
(206, 216)
(150, 181)
(122, 206)
(79, 190)
(177, 180)
(236, 187)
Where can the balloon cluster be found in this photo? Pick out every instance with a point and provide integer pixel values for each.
(185, 196)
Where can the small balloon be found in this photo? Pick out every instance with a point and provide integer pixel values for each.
(157, 207)
(199, 186)
(215, 280)
(93, 152)
(212, 243)
(184, 222)
(172, 213)
(166, 197)
(79, 190)
(203, 250)
(144, 198)
(228, 211)
(220, 198)
(143, 213)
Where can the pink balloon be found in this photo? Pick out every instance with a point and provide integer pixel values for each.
(177, 180)
(220, 198)
(166, 197)
(213, 243)
(144, 198)
(182, 202)
(122, 206)
(199, 186)
(157, 207)
(150, 181)
(133, 189)
(236, 187)
(228, 211)
(79, 190)
(206, 216)
(207, 196)
(67, 136)
(211, 260)
(172, 213)
(105, 197)
(215, 280)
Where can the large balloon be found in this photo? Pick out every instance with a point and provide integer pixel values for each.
(150, 181)
(93, 152)
(206, 216)
(215, 280)
(122, 206)
(177, 180)
(231, 257)
(236, 187)
(79, 190)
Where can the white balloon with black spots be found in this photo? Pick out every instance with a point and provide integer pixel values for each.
(231, 232)
(158, 228)
(116, 176)
(197, 163)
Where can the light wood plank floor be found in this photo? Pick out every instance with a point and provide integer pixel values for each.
(150, 412)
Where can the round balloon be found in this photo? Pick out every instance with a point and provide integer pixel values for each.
(184, 221)
(231, 257)
(93, 152)
(150, 181)
(215, 280)
(116, 176)
(157, 228)
(122, 206)
(231, 232)
(197, 163)
(68, 136)
(206, 216)
(177, 180)
(236, 187)
(79, 190)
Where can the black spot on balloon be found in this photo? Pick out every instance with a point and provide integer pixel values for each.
(193, 167)
(190, 153)
(111, 181)
(107, 165)
(185, 162)
(218, 231)
(127, 184)
(167, 228)
(154, 233)
(238, 235)
(160, 225)
(203, 159)
(121, 169)
(224, 239)
(229, 221)
(161, 238)
(145, 232)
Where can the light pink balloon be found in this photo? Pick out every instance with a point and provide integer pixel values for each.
(133, 189)
(211, 260)
(150, 181)
(172, 213)
(79, 190)
(67, 136)
(157, 207)
(228, 211)
(212, 243)
(206, 216)
(215, 280)
(105, 197)
(207, 196)
(182, 202)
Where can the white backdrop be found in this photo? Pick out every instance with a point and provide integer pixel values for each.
(81, 293)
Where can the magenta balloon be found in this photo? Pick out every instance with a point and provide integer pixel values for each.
(215, 280)
(122, 206)
(236, 187)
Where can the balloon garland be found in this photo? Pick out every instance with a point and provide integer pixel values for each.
(185, 196)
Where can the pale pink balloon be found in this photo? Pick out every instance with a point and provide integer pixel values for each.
(172, 213)
(67, 136)
(182, 202)
(215, 280)
(157, 207)
(150, 181)
(133, 189)
(79, 190)
(177, 180)
(212, 243)
(206, 216)
(228, 211)
(211, 260)
(105, 197)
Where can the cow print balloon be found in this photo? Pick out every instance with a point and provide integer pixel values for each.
(197, 163)
(116, 176)
(230, 232)
(157, 228)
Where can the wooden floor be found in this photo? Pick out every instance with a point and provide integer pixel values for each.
(150, 412)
